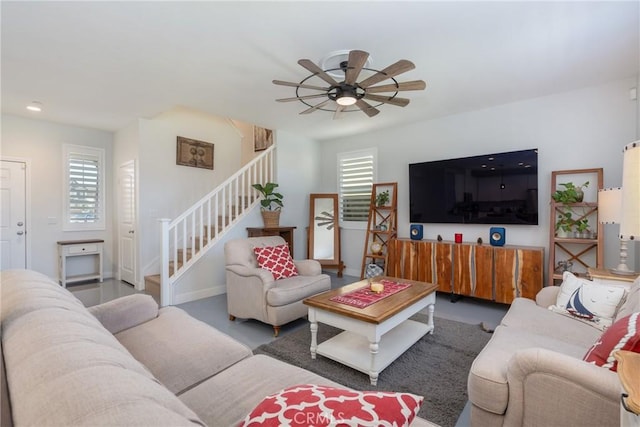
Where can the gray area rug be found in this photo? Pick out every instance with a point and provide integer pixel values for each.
(436, 367)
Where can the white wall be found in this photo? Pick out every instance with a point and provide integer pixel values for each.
(41, 142)
(580, 129)
(298, 171)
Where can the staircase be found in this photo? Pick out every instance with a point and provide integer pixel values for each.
(188, 237)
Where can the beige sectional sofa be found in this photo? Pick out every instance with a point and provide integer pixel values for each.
(531, 372)
(125, 362)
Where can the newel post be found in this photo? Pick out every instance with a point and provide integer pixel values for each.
(166, 294)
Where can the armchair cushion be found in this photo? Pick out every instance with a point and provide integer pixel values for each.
(293, 289)
(277, 260)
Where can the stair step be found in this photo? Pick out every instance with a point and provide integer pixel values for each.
(152, 286)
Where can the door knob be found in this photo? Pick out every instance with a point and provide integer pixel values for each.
(20, 233)
(20, 224)
(131, 231)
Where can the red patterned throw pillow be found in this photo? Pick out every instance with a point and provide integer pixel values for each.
(315, 405)
(277, 260)
(622, 335)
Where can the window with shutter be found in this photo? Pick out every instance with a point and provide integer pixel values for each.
(84, 207)
(356, 174)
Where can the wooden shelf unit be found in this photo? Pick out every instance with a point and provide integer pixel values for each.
(583, 253)
(285, 232)
(382, 226)
(495, 273)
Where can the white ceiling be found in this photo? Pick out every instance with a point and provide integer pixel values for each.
(104, 64)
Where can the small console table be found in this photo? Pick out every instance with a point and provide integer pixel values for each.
(75, 248)
(285, 232)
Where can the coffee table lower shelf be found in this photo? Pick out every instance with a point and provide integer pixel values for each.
(354, 350)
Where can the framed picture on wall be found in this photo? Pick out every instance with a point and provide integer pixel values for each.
(262, 138)
(194, 153)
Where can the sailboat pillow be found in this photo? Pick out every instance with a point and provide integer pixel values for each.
(591, 302)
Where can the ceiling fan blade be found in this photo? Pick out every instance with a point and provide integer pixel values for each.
(366, 108)
(400, 102)
(357, 59)
(309, 65)
(339, 110)
(392, 70)
(412, 85)
(315, 107)
(303, 86)
(298, 98)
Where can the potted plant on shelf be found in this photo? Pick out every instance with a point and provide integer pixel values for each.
(570, 194)
(382, 198)
(271, 204)
(582, 227)
(564, 224)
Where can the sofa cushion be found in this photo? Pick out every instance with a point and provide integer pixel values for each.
(64, 368)
(239, 389)
(277, 260)
(591, 302)
(487, 383)
(526, 315)
(294, 289)
(312, 404)
(622, 335)
(180, 350)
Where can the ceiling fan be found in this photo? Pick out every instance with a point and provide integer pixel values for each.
(340, 95)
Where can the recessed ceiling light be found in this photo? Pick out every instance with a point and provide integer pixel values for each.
(35, 106)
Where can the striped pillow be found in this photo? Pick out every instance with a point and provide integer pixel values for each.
(624, 334)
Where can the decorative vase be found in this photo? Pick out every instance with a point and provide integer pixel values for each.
(579, 195)
(271, 219)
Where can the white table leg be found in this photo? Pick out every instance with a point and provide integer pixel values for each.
(431, 309)
(373, 374)
(313, 325)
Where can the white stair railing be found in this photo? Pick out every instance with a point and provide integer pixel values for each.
(188, 237)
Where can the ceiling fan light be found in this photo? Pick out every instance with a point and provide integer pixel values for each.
(35, 106)
(346, 100)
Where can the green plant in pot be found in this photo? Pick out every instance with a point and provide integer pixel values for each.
(582, 227)
(570, 194)
(565, 224)
(271, 204)
(382, 198)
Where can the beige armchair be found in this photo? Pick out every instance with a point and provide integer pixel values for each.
(252, 293)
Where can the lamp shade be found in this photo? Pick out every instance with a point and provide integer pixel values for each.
(630, 220)
(610, 205)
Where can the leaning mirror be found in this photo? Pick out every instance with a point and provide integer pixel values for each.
(324, 231)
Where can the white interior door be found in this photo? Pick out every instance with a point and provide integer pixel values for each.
(13, 209)
(127, 221)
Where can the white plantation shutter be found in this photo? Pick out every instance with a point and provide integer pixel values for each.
(84, 188)
(356, 174)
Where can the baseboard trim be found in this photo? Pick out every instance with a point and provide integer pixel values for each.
(200, 294)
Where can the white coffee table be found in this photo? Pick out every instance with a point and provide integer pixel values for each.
(373, 336)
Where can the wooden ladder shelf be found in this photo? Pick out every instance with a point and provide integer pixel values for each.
(382, 226)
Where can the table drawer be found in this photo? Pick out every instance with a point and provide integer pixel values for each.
(76, 249)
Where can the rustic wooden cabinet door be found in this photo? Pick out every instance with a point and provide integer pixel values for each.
(483, 266)
(463, 282)
(443, 266)
(505, 274)
(530, 272)
(518, 273)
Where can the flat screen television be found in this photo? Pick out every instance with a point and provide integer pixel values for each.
(497, 188)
